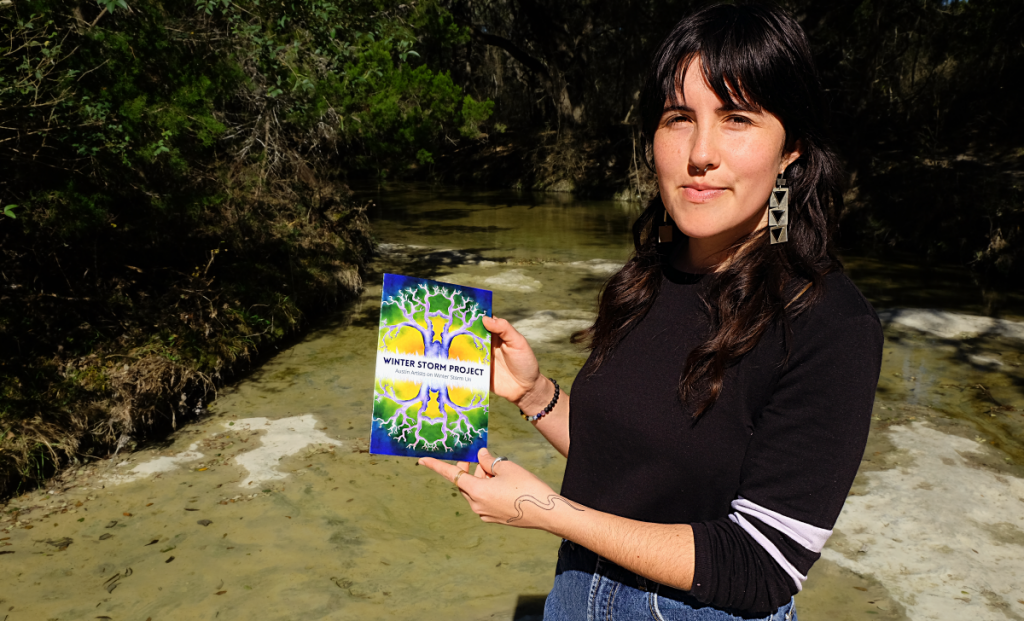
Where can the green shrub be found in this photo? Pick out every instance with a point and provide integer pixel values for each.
(173, 195)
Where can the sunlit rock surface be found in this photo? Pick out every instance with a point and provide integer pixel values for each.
(944, 534)
(281, 438)
(156, 465)
(598, 267)
(550, 326)
(952, 325)
(278, 439)
(512, 280)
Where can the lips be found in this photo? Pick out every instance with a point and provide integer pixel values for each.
(702, 194)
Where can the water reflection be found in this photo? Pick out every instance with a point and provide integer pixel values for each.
(978, 379)
(901, 281)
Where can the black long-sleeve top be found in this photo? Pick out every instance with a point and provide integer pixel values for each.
(762, 475)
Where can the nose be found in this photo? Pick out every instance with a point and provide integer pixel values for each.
(703, 150)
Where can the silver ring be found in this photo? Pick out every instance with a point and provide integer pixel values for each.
(496, 460)
(455, 481)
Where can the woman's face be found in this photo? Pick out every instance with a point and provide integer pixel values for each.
(717, 164)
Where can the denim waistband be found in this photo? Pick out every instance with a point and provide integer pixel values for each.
(574, 557)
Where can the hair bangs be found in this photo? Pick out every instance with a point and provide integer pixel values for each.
(725, 79)
(748, 56)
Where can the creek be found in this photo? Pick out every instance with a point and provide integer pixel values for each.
(268, 505)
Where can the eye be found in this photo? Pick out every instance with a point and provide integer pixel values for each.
(674, 118)
(737, 119)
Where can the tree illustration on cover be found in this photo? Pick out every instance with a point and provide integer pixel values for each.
(433, 370)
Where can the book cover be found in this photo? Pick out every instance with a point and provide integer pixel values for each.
(432, 384)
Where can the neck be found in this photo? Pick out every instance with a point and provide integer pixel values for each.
(698, 256)
(713, 254)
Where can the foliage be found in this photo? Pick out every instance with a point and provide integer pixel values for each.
(924, 96)
(177, 172)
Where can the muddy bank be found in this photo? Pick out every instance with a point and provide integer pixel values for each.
(145, 330)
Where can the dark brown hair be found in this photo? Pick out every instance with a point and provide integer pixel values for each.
(759, 55)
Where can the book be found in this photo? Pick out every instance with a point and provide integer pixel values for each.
(431, 388)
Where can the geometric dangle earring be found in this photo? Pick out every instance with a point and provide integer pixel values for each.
(778, 212)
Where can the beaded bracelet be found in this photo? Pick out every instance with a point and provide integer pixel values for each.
(545, 411)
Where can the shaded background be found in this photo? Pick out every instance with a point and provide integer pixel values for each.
(924, 96)
(175, 175)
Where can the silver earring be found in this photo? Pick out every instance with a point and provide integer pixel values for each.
(778, 212)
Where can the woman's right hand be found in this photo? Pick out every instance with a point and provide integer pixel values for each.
(515, 374)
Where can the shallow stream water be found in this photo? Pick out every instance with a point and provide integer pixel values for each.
(270, 507)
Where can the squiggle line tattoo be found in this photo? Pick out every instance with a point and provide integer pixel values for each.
(547, 506)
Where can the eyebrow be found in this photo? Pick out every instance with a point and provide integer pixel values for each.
(727, 107)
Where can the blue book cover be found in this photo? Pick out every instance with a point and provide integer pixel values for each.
(432, 384)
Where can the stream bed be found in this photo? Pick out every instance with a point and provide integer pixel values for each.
(268, 505)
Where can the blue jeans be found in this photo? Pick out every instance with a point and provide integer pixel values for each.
(590, 588)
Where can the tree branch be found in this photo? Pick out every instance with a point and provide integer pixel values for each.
(531, 63)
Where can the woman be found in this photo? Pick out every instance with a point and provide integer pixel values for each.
(717, 427)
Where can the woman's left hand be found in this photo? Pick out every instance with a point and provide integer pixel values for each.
(509, 495)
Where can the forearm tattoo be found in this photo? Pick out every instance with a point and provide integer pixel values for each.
(547, 506)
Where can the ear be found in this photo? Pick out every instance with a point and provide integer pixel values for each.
(792, 155)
